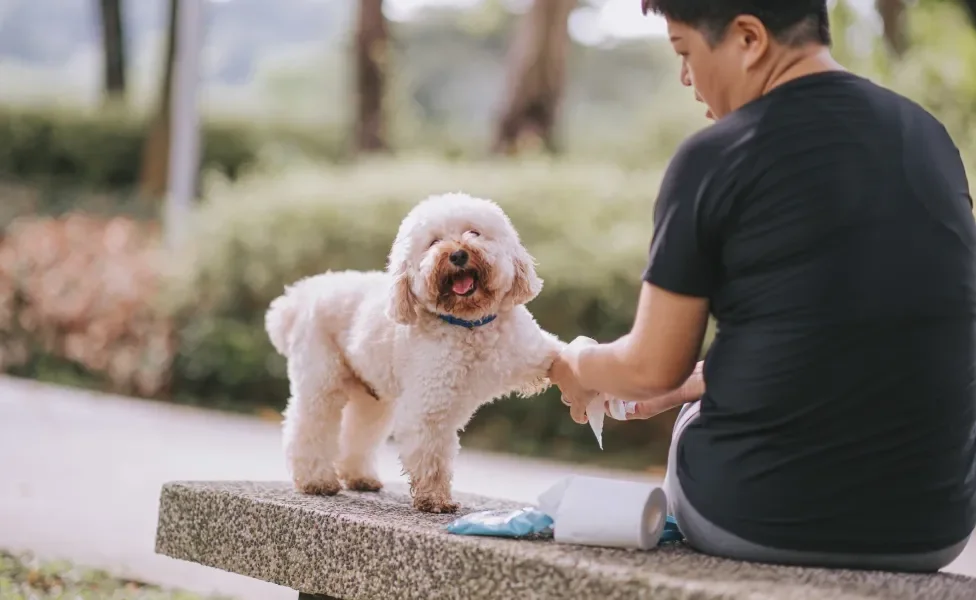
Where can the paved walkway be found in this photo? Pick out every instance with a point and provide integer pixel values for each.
(80, 475)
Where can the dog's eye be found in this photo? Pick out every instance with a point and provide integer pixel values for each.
(474, 232)
(433, 241)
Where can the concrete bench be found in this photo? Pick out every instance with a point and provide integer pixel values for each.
(375, 546)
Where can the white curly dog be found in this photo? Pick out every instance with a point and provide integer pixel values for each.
(415, 350)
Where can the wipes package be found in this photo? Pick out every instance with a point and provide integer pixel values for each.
(518, 523)
(671, 531)
(589, 511)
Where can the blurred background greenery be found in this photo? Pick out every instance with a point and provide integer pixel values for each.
(324, 121)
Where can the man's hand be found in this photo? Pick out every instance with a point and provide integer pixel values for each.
(690, 391)
(564, 374)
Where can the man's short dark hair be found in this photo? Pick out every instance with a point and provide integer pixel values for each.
(790, 22)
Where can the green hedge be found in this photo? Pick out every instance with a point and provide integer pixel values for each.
(100, 150)
(588, 226)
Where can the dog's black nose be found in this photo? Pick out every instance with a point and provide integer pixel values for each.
(459, 258)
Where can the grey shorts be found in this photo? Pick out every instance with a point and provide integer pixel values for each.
(708, 538)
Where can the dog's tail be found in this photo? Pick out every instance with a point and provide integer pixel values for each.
(280, 320)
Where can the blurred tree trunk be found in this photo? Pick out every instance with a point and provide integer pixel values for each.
(536, 77)
(971, 6)
(372, 52)
(155, 153)
(893, 19)
(113, 51)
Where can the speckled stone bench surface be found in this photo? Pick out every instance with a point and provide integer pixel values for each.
(375, 546)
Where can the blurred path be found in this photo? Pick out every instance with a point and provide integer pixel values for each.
(80, 475)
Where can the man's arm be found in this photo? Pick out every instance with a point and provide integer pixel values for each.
(692, 389)
(651, 364)
(656, 358)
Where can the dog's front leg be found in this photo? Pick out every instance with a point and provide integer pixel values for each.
(427, 437)
(535, 359)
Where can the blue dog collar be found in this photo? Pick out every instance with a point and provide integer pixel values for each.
(467, 324)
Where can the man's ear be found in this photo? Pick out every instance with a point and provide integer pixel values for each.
(752, 37)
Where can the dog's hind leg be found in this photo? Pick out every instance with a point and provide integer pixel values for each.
(366, 424)
(314, 414)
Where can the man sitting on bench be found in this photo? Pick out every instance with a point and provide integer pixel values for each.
(826, 223)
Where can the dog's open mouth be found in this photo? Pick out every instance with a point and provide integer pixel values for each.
(464, 283)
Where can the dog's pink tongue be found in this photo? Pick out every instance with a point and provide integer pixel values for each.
(463, 284)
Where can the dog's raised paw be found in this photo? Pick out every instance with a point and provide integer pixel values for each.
(364, 484)
(435, 506)
(320, 488)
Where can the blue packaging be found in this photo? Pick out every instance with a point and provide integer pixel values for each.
(528, 521)
(671, 532)
(518, 523)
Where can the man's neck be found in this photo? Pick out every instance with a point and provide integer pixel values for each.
(802, 62)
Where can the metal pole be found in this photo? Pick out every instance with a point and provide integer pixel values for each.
(184, 148)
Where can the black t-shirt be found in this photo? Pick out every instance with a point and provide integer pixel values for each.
(830, 225)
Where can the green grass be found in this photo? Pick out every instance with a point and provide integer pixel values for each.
(23, 577)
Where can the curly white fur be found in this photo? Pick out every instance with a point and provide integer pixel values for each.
(368, 355)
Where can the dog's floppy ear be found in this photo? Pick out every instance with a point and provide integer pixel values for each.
(526, 285)
(402, 304)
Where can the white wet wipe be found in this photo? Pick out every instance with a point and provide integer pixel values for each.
(618, 409)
